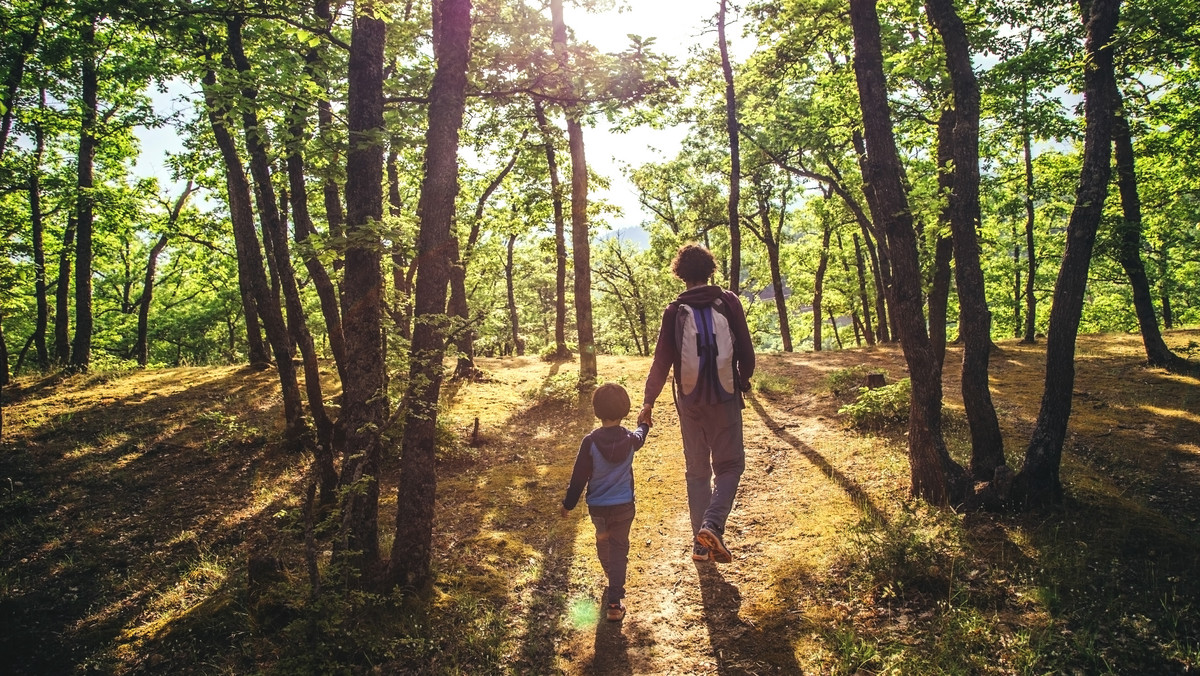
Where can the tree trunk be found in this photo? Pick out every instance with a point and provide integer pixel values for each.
(465, 342)
(819, 285)
(939, 290)
(863, 298)
(518, 344)
(1130, 247)
(81, 345)
(303, 227)
(141, 346)
(1030, 257)
(580, 237)
(834, 327)
(1016, 288)
(1038, 482)
(251, 273)
(364, 394)
(274, 242)
(39, 245)
(62, 295)
(1164, 287)
(560, 245)
(974, 317)
(411, 551)
(735, 159)
(16, 71)
(935, 476)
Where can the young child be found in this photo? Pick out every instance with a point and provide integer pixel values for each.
(605, 466)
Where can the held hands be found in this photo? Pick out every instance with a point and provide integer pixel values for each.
(645, 417)
(563, 512)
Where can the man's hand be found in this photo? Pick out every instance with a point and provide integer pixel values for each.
(563, 511)
(645, 417)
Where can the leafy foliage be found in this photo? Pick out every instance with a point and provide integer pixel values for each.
(880, 407)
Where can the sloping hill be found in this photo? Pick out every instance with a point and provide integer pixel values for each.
(136, 500)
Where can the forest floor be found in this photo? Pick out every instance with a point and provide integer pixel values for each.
(132, 502)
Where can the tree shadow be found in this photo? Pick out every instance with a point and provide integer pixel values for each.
(133, 521)
(738, 646)
(857, 494)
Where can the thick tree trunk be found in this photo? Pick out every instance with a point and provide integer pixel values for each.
(974, 317)
(935, 476)
(1038, 481)
(364, 395)
(411, 553)
(1130, 248)
(81, 345)
(275, 244)
(1017, 292)
(735, 158)
(560, 244)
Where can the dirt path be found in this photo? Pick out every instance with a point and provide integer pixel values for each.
(798, 496)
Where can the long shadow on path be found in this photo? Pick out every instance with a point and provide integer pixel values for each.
(856, 492)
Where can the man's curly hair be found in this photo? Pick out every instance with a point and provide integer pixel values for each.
(693, 264)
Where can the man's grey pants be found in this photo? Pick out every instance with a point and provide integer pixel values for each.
(612, 545)
(712, 447)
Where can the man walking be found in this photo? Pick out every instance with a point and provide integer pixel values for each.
(704, 337)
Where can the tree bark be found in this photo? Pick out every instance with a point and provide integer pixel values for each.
(141, 346)
(364, 394)
(465, 342)
(1038, 482)
(1030, 251)
(580, 236)
(251, 273)
(735, 160)
(513, 319)
(81, 345)
(411, 551)
(974, 317)
(274, 243)
(39, 245)
(939, 289)
(819, 286)
(863, 298)
(935, 476)
(560, 244)
(1129, 231)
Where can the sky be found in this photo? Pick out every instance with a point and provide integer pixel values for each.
(676, 25)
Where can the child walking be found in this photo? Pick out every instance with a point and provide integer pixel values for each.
(605, 466)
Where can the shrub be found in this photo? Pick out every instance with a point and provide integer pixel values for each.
(881, 406)
(771, 384)
(849, 379)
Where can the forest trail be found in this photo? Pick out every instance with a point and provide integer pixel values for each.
(136, 499)
(808, 483)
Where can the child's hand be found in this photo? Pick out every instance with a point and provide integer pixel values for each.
(563, 511)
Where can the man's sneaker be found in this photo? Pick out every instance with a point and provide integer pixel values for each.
(616, 611)
(700, 552)
(710, 537)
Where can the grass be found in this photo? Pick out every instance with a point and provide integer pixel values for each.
(131, 503)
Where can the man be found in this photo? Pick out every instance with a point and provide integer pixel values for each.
(705, 338)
